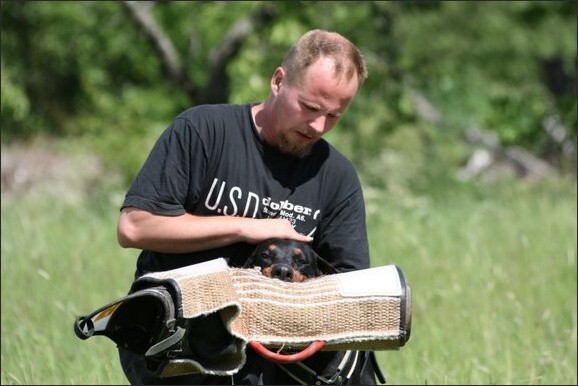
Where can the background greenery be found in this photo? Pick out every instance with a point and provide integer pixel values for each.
(491, 258)
(86, 69)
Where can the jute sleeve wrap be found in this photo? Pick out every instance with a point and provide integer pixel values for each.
(365, 310)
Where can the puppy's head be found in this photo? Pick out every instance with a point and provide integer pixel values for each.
(288, 260)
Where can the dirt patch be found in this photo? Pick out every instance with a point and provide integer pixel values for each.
(39, 168)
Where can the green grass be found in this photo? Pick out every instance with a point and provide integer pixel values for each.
(493, 278)
(492, 272)
(59, 261)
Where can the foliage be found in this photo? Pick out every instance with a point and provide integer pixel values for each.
(85, 69)
(485, 63)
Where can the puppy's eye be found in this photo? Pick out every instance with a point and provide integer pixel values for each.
(298, 256)
(300, 259)
(266, 255)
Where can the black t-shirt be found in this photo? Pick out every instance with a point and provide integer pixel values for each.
(212, 161)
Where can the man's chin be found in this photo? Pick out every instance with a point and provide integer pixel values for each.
(298, 151)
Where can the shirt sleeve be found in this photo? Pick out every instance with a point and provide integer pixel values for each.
(164, 184)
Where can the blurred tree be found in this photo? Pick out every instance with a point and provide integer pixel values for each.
(217, 87)
(501, 66)
(118, 71)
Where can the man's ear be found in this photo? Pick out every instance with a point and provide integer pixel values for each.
(277, 79)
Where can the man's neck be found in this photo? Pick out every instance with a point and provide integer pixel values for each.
(261, 120)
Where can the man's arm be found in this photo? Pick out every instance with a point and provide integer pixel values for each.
(140, 229)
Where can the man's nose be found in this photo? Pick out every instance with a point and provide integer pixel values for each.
(318, 124)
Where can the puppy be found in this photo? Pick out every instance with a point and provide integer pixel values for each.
(288, 260)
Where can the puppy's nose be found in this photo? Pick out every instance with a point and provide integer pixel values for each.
(282, 271)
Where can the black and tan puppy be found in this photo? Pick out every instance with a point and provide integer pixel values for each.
(288, 260)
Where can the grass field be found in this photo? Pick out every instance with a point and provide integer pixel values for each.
(492, 272)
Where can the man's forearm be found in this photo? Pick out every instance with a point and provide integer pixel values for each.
(190, 233)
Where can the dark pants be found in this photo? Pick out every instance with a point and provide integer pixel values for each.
(257, 371)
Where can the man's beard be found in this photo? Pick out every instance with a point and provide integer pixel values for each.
(287, 147)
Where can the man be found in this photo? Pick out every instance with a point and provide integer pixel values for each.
(223, 178)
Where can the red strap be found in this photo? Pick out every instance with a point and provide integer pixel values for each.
(287, 358)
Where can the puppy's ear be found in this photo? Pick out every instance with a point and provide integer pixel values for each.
(249, 262)
(251, 259)
(324, 266)
(254, 257)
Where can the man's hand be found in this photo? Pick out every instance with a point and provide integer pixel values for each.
(262, 229)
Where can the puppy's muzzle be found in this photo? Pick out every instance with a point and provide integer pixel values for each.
(282, 272)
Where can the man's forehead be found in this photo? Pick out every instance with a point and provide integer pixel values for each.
(324, 96)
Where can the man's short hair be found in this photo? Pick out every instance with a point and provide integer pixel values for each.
(318, 43)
